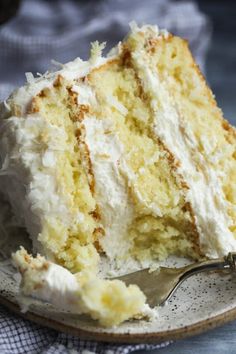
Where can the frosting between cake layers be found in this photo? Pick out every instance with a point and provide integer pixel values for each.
(111, 190)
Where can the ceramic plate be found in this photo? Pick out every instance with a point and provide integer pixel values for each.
(203, 301)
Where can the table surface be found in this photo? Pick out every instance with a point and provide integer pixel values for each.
(218, 341)
(221, 75)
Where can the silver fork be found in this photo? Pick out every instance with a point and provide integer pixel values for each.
(159, 285)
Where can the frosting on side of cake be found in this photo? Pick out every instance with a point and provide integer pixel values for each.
(28, 170)
(31, 148)
(29, 176)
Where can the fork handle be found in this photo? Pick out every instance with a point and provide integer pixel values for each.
(225, 263)
(231, 260)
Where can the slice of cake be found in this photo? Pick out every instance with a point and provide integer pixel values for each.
(127, 157)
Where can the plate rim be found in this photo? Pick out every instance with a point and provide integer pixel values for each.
(125, 338)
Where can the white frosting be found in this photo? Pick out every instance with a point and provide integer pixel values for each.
(28, 175)
(57, 286)
(72, 70)
(111, 191)
(205, 193)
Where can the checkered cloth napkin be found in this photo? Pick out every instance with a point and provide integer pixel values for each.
(61, 30)
(22, 336)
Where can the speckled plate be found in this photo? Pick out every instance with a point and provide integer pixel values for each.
(202, 302)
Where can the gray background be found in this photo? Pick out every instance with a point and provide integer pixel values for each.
(221, 58)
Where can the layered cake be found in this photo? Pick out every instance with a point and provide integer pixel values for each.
(124, 158)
